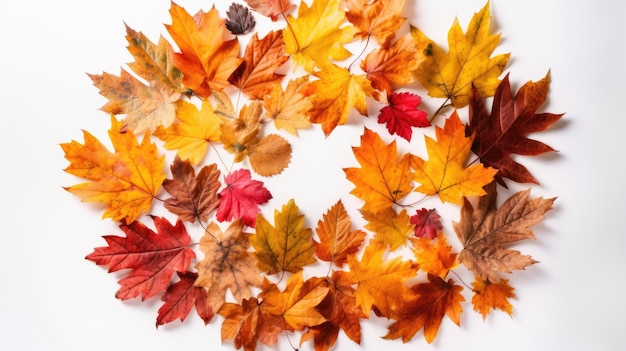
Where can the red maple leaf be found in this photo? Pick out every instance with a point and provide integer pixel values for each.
(427, 223)
(402, 113)
(241, 197)
(180, 297)
(153, 258)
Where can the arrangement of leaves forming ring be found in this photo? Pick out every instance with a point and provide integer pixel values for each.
(184, 97)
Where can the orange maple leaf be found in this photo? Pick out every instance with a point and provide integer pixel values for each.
(437, 298)
(382, 180)
(445, 173)
(206, 59)
(270, 8)
(379, 19)
(389, 227)
(434, 256)
(227, 264)
(289, 108)
(126, 181)
(488, 295)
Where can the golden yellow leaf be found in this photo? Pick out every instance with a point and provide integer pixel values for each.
(289, 109)
(239, 134)
(389, 227)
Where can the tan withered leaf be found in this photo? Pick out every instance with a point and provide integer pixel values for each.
(227, 264)
(289, 108)
(270, 156)
(193, 196)
(484, 230)
(337, 240)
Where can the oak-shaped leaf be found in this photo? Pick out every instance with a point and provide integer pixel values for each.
(450, 75)
(289, 108)
(484, 231)
(390, 227)
(337, 239)
(239, 20)
(380, 281)
(382, 180)
(437, 298)
(191, 137)
(227, 265)
(446, 173)
(126, 181)
(488, 296)
(402, 113)
(427, 223)
(318, 34)
(285, 246)
(206, 59)
(181, 297)
(241, 197)
(152, 257)
(271, 8)
(379, 19)
(504, 131)
(340, 310)
(434, 256)
(193, 197)
(256, 76)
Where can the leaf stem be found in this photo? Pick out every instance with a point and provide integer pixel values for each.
(460, 279)
(367, 42)
(441, 108)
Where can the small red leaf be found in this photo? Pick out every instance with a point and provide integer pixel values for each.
(427, 223)
(180, 297)
(241, 197)
(402, 113)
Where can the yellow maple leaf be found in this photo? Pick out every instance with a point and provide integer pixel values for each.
(289, 108)
(445, 173)
(126, 180)
(451, 75)
(382, 180)
(192, 136)
(317, 35)
(389, 227)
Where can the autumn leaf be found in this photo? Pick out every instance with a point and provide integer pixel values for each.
(451, 75)
(488, 295)
(382, 180)
(270, 156)
(241, 197)
(289, 108)
(181, 297)
(401, 114)
(340, 310)
(146, 106)
(434, 256)
(191, 137)
(380, 281)
(152, 257)
(505, 131)
(445, 173)
(287, 245)
(379, 19)
(126, 181)
(437, 298)
(256, 75)
(271, 8)
(317, 35)
(389, 227)
(337, 239)
(295, 304)
(335, 94)
(227, 265)
(239, 19)
(206, 59)
(240, 134)
(392, 64)
(486, 229)
(192, 196)
(427, 223)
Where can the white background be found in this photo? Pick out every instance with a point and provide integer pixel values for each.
(53, 299)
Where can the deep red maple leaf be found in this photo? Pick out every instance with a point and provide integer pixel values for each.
(402, 113)
(427, 223)
(241, 197)
(153, 258)
(180, 297)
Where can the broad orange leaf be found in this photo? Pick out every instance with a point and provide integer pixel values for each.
(488, 295)
(337, 239)
(445, 173)
(125, 181)
(206, 59)
(434, 256)
(227, 265)
(379, 19)
(451, 75)
(437, 298)
(287, 245)
(389, 227)
(382, 180)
